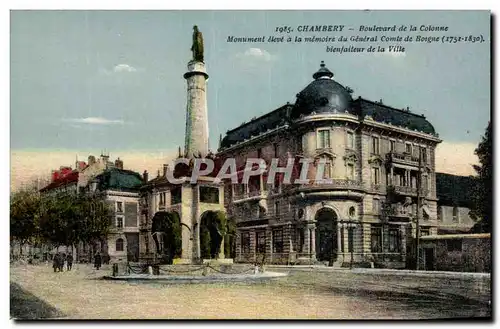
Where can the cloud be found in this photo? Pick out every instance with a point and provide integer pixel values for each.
(120, 69)
(256, 54)
(95, 121)
(124, 68)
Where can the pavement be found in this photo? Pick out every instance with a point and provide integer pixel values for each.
(303, 294)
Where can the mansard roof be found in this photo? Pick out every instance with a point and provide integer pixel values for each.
(257, 126)
(396, 117)
(119, 179)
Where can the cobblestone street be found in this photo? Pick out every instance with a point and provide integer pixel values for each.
(38, 292)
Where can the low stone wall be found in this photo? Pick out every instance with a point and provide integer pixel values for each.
(184, 269)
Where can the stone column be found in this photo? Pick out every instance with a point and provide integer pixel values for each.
(198, 241)
(306, 243)
(313, 242)
(392, 174)
(339, 235)
(196, 139)
(221, 251)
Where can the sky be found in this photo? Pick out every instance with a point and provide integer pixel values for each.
(86, 81)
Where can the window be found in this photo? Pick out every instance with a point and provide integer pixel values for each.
(350, 140)
(146, 243)
(394, 240)
(376, 207)
(245, 242)
(209, 194)
(176, 195)
(352, 212)
(408, 148)
(375, 145)
(454, 245)
(162, 200)
(439, 213)
(342, 247)
(376, 237)
(455, 214)
(276, 150)
(260, 246)
(277, 208)
(424, 155)
(119, 245)
(278, 241)
(119, 222)
(425, 231)
(376, 176)
(119, 206)
(393, 146)
(328, 169)
(323, 139)
(350, 171)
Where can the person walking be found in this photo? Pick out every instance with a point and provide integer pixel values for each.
(55, 262)
(62, 259)
(69, 262)
(97, 260)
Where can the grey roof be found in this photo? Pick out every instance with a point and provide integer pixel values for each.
(257, 126)
(119, 179)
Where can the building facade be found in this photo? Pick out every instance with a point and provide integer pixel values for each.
(372, 154)
(120, 189)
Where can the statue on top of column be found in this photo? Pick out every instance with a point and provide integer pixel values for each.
(197, 47)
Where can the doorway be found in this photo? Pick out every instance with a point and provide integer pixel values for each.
(326, 235)
(429, 259)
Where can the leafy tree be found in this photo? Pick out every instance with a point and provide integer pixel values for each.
(483, 193)
(59, 219)
(24, 216)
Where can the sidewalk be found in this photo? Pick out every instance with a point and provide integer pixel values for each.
(437, 274)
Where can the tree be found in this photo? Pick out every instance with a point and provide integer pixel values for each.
(24, 216)
(482, 194)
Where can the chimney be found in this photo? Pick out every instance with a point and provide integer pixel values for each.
(119, 163)
(145, 176)
(55, 175)
(104, 158)
(165, 169)
(91, 160)
(81, 165)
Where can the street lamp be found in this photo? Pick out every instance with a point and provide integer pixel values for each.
(351, 226)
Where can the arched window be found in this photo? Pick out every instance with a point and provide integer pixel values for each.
(119, 245)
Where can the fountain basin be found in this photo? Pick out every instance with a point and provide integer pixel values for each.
(197, 278)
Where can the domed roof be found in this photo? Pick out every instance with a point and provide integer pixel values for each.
(323, 95)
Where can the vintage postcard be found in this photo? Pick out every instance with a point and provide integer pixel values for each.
(250, 165)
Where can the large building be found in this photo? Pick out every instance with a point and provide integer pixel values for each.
(367, 212)
(120, 189)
